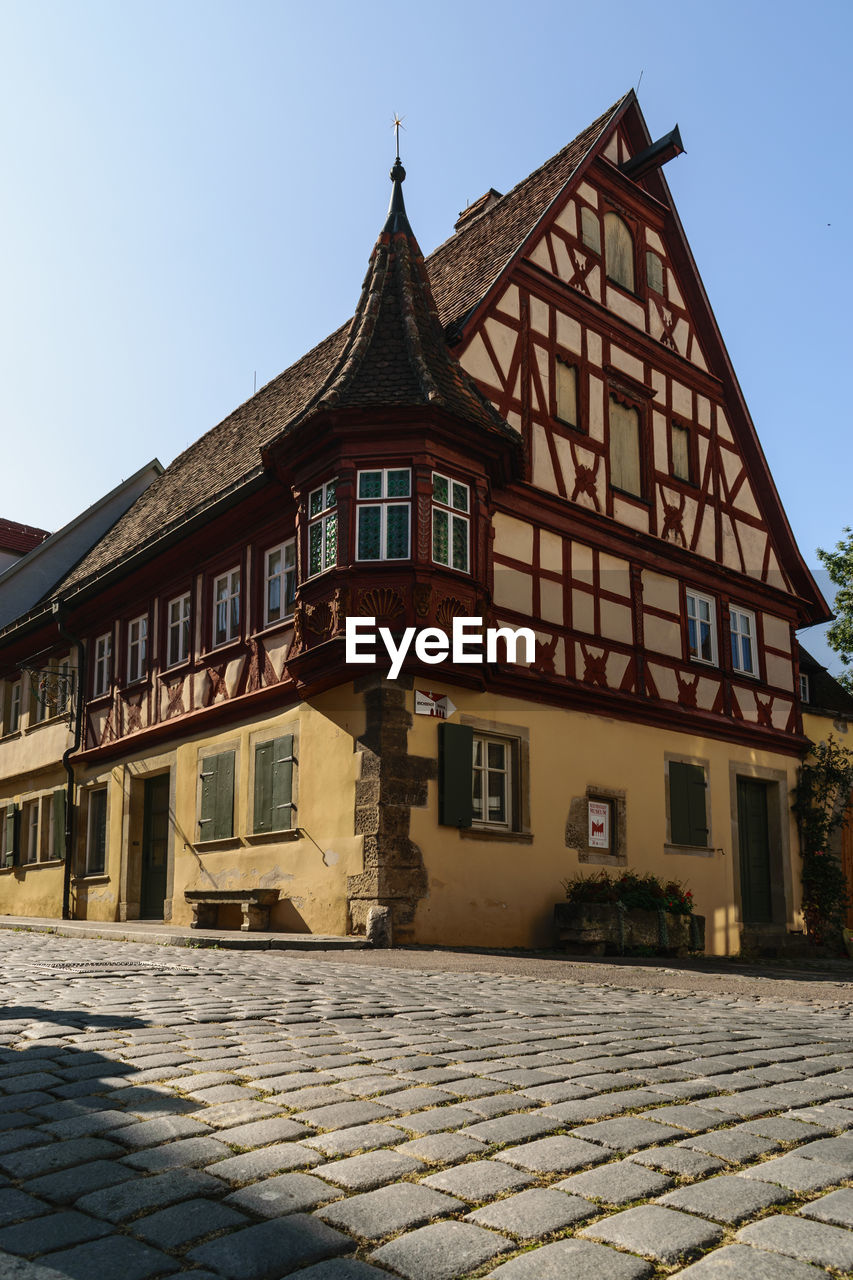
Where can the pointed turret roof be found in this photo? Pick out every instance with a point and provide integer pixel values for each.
(395, 355)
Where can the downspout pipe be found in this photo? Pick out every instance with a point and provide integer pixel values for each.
(67, 764)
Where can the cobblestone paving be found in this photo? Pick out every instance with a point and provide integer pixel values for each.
(251, 1116)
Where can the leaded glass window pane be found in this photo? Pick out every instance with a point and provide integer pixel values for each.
(369, 533)
(440, 537)
(397, 533)
(274, 599)
(315, 548)
(331, 541)
(331, 493)
(370, 484)
(460, 544)
(399, 484)
(440, 489)
(315, 502)
(460, 496)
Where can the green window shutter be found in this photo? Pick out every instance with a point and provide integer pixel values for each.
(13, 826)
(59, 824)
(687, 796)
(216, 819)
(263, 786)
(282, 783)
(455, 775)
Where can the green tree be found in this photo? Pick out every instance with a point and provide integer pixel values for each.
(839, 566)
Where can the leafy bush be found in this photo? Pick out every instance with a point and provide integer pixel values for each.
(630, 889)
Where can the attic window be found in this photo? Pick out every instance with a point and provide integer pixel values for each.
(804, 689)
(619, 251)
(590, 230)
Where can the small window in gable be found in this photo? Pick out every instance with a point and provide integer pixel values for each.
(625, 465)
(618, 251)
(680, 437)
(566, 387)
(590, 230)
(654, 271)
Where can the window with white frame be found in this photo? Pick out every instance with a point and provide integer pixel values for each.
(493, 765)
(96, 832)
(226, 607)
(451, 505)
(742, 630)
(701, 628)
(12, 706)
(178, 630)
(30, 830)
(279, 582)
(102, 665)
(804, 689)
(383, 521)
(323, 528)
(137, 648)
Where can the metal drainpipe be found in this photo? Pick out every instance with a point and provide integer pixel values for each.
(66, 760)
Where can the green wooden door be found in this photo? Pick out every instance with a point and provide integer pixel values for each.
(155, 847)
(754, 839)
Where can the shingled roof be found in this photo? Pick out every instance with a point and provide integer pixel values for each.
(460, 273)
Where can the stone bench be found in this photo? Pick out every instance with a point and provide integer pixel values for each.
(255, 904)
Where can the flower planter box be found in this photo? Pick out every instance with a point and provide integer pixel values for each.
(594, 928)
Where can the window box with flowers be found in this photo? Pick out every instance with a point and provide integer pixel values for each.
(629, 912)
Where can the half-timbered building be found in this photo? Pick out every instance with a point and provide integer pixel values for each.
(538, 426)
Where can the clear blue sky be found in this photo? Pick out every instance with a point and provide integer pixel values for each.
(191, 190)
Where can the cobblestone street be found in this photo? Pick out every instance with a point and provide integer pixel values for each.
(256, 1115)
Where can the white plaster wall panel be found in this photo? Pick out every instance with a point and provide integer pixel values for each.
(509, 301)
(543, 469)
(540, 394)
(503, 339)
(706, 542)
(585, 459)
(661, 636)
(277, 647)
(696, 356)
(516, 390)
(596, 408)
(633, 516)
(514, 418)
(659, 440)
(612, 149)
(550, 551)
(724, 431)
(581, 562)
(706, 693)
(513, 589)
(703, 411)
(626, 308)
(731, 554)
(753, 544)
(617, 665)
(232, 675)
(616, 622)
(665, 682)
(200, 684)
(567, 218)
(672, 289)
(569, 333)
(593, 347)
(538, 316)
(775, 575)
(745, 500)
(732, 466)
(540, 255)
(565, 269)
(513, 538)
(780, 712)
(659, 384)
(660, 591)
(551, 601)
(655, 322)
(780, 672)
(691, 506)
(583, 613)
(777, 632)
(614, 575)
(654, 240)
(476, 360)
(682, 399)
(746, 702)
(702, 451)
(589, 194)
(681, 336)
(593, 283)
(627, 363)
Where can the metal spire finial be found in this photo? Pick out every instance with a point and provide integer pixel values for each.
(397, 126)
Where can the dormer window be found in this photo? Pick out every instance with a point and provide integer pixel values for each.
(322, 528)
(618, 251)
(383, 514)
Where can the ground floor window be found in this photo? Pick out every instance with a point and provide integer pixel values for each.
(687, 810)
(96, 833)
(273, 789)
(216, 797)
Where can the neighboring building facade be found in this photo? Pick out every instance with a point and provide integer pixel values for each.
(16, 540)
(538, 427)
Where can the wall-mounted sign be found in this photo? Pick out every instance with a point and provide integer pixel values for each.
(599, 824)
(433, 704)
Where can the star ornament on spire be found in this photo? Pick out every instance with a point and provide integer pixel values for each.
(397, 126)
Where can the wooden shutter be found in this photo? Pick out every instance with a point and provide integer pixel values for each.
(455, 775)
(216, 819)
(687, 797)
(13, 828)
(274, 785)
(58, 824)
(625, 467)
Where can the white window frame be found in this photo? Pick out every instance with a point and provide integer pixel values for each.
(16, 693)
(737, 617)
(321, 519)
(804, 688)
(137, 648)
(509, 748)
(102, 665)
(383, 501)
(694, 598)
(287, 551)
(180, 627)
(454, 514)
(90, 814)
(233, 581)
(31, 832)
